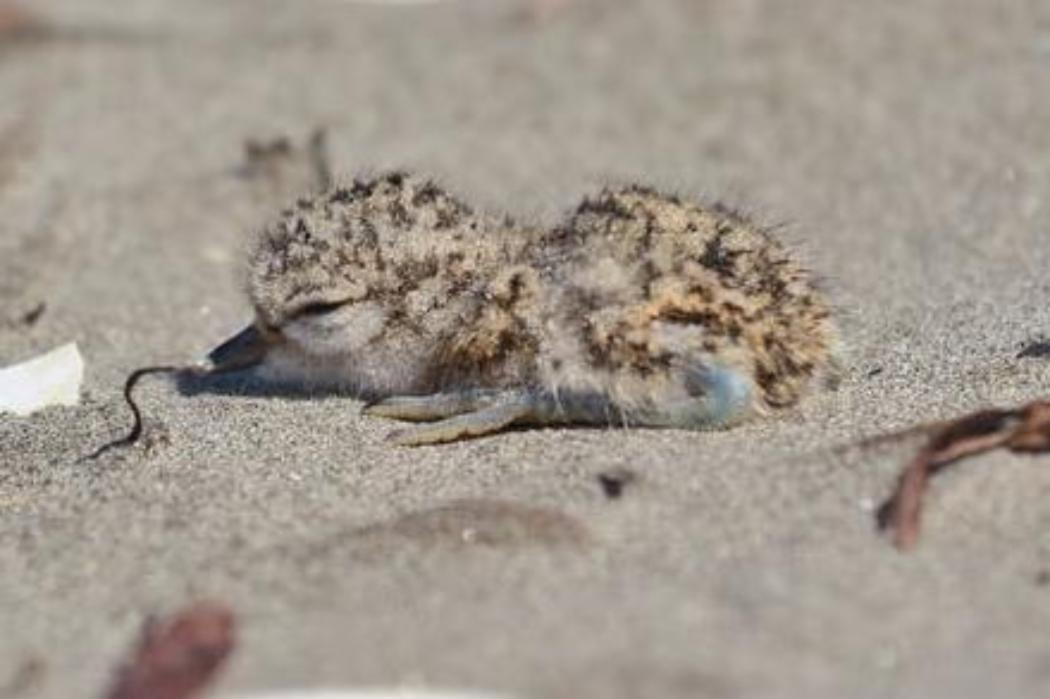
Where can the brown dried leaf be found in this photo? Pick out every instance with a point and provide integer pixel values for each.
(19, 24)
(177, 657)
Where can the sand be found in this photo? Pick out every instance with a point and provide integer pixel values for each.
(901, 146)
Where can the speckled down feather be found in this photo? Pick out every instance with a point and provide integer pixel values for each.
(393, 286)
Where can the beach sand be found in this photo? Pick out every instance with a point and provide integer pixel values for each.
(901, 147)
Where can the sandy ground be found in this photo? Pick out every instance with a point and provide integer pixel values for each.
(904, 146)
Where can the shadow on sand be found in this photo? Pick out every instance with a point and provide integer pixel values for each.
(247, 383)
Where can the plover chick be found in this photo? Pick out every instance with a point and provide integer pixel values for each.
(640, 309)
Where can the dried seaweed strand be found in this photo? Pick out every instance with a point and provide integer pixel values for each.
(1026, 429)
(136, 429)
(885, 438)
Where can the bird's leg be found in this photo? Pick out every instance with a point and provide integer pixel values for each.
(717, 397)
(485, 421)
(463, 415)
(436, 406)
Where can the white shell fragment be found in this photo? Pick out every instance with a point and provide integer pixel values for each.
(50, 379)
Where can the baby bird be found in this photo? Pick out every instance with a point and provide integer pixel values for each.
(640, 309)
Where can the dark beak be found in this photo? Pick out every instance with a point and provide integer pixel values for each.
(245, 349)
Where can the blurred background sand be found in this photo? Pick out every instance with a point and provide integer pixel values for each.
(903, 147)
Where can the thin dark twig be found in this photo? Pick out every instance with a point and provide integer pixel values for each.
(136, 429)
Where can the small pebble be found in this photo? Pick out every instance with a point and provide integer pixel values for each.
(614, 481)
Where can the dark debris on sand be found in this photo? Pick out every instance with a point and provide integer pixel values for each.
(1039, 349)
(614, 481)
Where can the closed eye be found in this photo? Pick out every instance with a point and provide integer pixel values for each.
(319, 309)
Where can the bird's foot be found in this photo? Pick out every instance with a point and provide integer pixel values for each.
(454, 416)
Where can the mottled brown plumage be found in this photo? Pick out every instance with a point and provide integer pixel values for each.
(638, 309)
(366, 284)
(648, 280)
